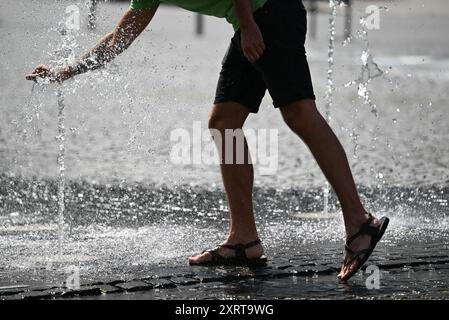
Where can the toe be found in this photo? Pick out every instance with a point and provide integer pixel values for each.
(348, 269)
(200, 258)
(343, 274)
(352, 266)
(340, 274)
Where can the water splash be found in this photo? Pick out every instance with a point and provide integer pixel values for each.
(330, 84)
(330, 59)
(62, 57)
(370, 70)
(61, 165)
(326, 198)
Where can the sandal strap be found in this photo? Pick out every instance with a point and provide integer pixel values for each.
(349, 249)
(214, 253)
(365, 229)
(357, 255)
(240, 248)
(252, 244)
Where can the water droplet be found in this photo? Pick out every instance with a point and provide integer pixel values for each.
(364, 57)
(362, 90)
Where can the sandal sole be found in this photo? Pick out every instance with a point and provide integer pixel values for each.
(383, 228)
(243, 263)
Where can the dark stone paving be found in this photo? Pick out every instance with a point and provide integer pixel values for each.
(162, 283)
(283, 278)
(136, 285)
(299, 248)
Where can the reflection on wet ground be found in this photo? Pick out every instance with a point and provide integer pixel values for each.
(121, 224)
(416, 284)
(123, 232)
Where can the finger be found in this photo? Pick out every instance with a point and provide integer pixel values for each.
(255, 53)
(39, 70)
(253, 58)
(42, 71)
(34, 75)
(261, 46)
(42, 74)
(42, 66)
(31, 76)
(249, 55)
(259, 51)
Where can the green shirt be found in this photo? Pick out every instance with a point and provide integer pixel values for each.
(216, 8)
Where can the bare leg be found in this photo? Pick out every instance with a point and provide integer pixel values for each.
(305, 120)
(238, 184)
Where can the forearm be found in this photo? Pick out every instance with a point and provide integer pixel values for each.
(132, 23)
(102, 53)
(243, 12)
(110, 46)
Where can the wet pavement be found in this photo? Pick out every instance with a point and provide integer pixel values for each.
(142, 252)
(421, 275)
(132, 217)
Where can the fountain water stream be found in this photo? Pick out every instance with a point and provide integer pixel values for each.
(63, 56)
(330, 59)
(330, 85)
(61, 166)
(369, 71)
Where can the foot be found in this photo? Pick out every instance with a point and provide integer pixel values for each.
(359, 243)
(253, 252)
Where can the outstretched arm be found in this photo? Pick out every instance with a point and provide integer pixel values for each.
(251, 37)
(130, 26)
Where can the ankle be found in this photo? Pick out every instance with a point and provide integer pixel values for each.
(254, 251)
(241, 237)
(353, 224)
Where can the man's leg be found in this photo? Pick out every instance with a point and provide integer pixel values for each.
(238, 184)
(305, 120)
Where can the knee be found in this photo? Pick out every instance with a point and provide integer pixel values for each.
(228, 115)
(301, 117)
(217, 121)
(221, 121)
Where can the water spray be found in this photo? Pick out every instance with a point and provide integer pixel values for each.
(64, 55)
(61, 166)
(330, 59)
(330, 85)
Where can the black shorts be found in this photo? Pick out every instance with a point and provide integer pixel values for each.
(282, 68)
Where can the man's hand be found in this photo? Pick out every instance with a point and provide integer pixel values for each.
(44, 72)
(131, 24)
(252, 42)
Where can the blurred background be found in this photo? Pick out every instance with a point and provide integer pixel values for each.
(119, 119)
(129, 209)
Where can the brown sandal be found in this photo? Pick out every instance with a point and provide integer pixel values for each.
(361, 256)
(240, 258)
